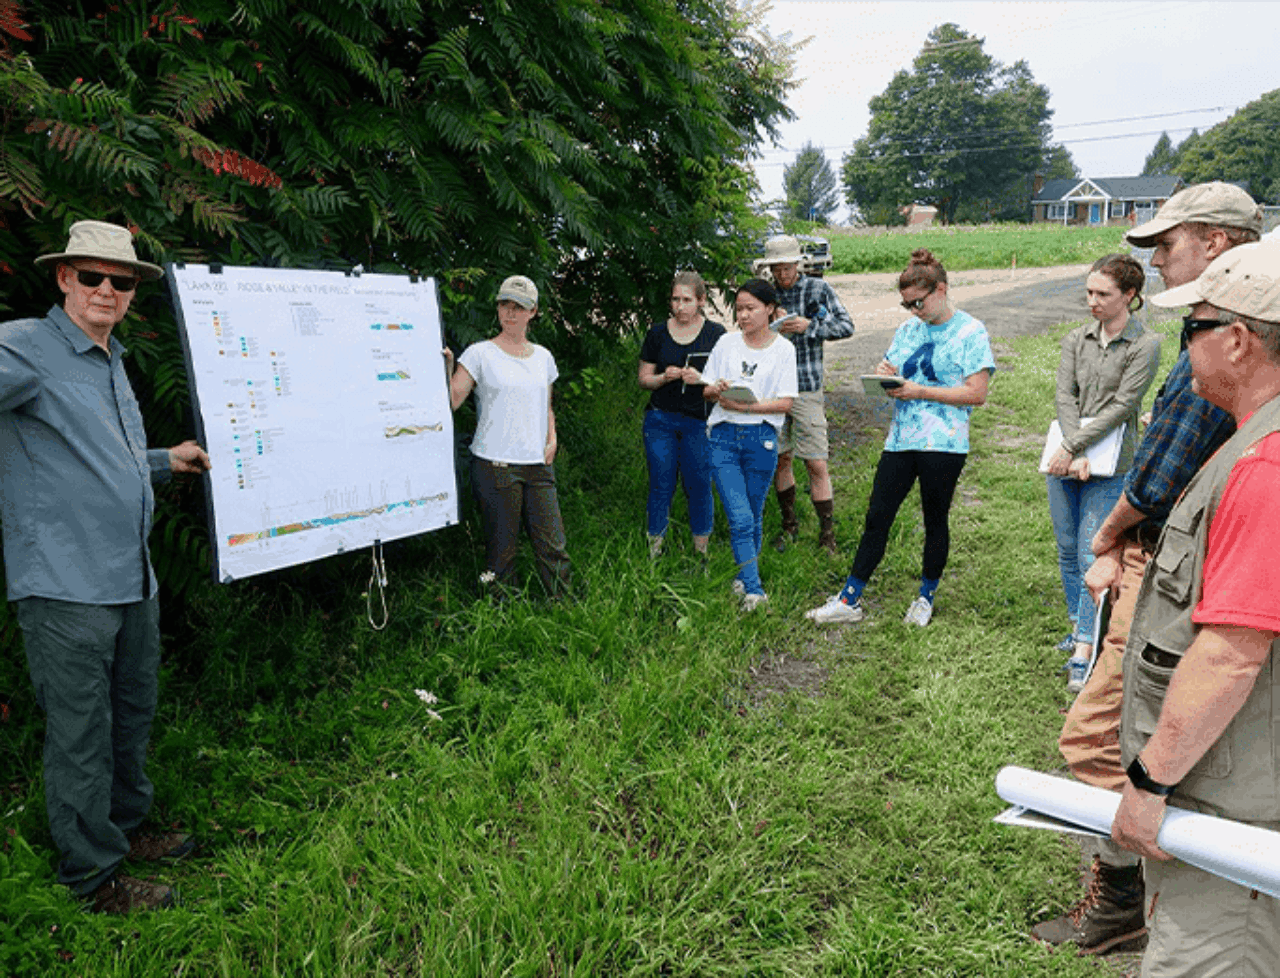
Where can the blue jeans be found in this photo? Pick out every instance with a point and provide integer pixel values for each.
(1078, 509)
(743, 459)
(675, 446)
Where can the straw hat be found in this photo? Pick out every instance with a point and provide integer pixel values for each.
(103, 242)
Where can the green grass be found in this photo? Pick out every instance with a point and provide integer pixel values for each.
(599, 796)
(964, 247)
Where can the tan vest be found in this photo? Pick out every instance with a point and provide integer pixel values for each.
(1239, 776)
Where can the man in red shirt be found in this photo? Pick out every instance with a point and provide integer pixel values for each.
(1200, 667)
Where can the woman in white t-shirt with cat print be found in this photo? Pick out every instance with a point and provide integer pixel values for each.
(515, 440)
(751, 377)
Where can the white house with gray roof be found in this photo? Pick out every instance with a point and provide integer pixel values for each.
(1084, 201)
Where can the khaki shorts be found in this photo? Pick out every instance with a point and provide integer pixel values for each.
(804, 433)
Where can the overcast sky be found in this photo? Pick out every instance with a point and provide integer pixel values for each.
(1187, 63)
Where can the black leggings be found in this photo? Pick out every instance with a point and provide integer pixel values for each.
(938, 473)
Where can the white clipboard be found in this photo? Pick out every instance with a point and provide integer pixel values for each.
(1103, 454)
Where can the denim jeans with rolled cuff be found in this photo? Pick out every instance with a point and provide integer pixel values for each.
(743, 460)
(1078, 509)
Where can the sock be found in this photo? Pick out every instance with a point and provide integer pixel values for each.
(928, 586)
(852, 590)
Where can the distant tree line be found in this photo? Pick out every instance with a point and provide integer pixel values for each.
(1241, 149)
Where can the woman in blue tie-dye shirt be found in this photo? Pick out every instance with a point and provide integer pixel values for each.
(944, 357)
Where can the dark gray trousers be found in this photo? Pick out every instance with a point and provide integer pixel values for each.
(509, 494)
(95, 671)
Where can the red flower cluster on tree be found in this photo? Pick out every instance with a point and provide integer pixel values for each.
(229, 161)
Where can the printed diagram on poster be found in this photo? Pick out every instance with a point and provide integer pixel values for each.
(322, 402)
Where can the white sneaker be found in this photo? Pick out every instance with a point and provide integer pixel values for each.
(920, 612)
(750, 602)
(738, 588)
(836, 612)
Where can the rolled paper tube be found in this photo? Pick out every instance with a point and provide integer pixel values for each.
(1244, 854)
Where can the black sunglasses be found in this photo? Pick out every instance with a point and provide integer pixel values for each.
(915, 305)
(121, 283)
(1191, 326)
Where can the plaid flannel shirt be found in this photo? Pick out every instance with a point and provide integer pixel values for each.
(805, 298)
(1185, 430)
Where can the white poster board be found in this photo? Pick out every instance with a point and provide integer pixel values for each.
(321, 399)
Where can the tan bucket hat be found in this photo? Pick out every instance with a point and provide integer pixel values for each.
(1223, 204)
(1244, 281)
(781, 249)
(103, 242)
(519, 290)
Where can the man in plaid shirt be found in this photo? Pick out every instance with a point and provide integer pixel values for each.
(1193, 227)
(817, 316)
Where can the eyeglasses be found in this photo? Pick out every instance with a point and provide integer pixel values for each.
(915, 305)
(1191, 326)
(121, 283)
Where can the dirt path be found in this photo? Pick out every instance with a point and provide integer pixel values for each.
(1018, 303)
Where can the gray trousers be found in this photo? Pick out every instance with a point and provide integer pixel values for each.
(95, 672)
(509, 494)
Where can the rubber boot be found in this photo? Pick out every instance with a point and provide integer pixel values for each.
(1109, 918)
(790, 524)
(825, 508)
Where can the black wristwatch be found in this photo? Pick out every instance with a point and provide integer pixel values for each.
(1143, 782)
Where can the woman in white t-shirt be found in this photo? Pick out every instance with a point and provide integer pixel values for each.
(751, 377)
(515, 440)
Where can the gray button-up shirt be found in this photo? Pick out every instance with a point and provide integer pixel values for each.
(75, 472)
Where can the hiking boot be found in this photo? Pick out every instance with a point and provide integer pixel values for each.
(738, 588)
(750, 602)
(655, 546)
(920, 612)
(790, 522)
(158, 847)
(1109, 918)
(125, 894)
(836, 612)
(789, 534)
(827, 526)
(827, 541)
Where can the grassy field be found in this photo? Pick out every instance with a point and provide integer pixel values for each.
(960, 248)
(604, 787)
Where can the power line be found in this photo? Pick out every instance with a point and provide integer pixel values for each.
(1007, 147)
(1067, 125)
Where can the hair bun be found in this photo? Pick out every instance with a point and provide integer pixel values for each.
(923, 256)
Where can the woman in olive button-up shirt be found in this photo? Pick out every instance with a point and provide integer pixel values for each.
(1106, 368)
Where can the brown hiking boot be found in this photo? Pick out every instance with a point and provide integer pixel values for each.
(125, 894)
(156, 847)
(790, 534)
(1109, 918)
(827, 541)
(826, 510)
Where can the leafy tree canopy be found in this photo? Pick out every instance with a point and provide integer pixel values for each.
(958, 128)
(1160, 161)
(810, 184)
(1240, 149)
(1059, 164)
(593, 147)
